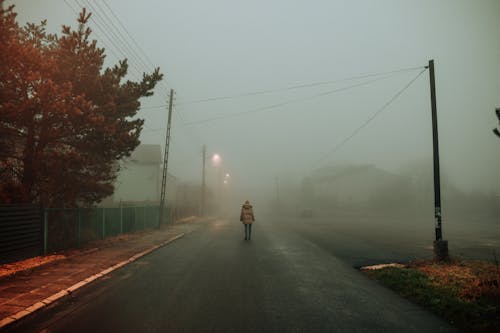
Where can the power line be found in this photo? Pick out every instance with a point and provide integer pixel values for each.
(111, 40)
(129, 35)
(277, 105)
(138, 47)
(154, 107)
(95, 32)
(369, 120)
(120, 42)
(130, 48)
(307, 85)
(116, 33)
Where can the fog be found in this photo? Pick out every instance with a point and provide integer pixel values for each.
(273, 139)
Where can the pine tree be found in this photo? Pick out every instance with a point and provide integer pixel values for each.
(64, 119)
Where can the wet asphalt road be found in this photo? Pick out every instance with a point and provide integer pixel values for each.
(288, 278)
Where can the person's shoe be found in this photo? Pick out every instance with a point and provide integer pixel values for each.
(245, 238)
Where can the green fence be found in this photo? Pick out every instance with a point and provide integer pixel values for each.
(71, 228)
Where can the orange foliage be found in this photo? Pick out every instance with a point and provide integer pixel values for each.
(64, 119)
(471, 280)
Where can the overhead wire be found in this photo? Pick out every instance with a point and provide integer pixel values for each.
(128, 34)
(119, 46)
(110, 40)
(270, 91)
(292, 101)
(136, 55)
(138, 47)
(118, 41)
(300, 86)
(117, 36)
(125, 48)
(94, 32)
(369, 120)
(102, 19)
(122, 44)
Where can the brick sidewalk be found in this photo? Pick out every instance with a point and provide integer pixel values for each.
(26, 292)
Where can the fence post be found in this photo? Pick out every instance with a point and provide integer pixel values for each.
(135, 218)
(159, 214)
(121, 218)
(103, 223)
(78, 228)
(45, 230)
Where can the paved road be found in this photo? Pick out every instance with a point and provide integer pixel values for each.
(211, 280)
(362, 240)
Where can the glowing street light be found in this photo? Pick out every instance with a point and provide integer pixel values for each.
(216, 159)
(226, 178)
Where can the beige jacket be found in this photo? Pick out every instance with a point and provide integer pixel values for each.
(246, 215)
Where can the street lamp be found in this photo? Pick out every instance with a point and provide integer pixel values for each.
(216, 159)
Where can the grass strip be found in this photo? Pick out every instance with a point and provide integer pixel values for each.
(450, 297)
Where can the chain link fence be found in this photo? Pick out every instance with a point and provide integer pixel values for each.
(71, 228)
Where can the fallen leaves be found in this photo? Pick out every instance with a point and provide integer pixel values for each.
(469, 279)
(23, 265)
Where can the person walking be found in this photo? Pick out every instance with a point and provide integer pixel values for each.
(247, 218)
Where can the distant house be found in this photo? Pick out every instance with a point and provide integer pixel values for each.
(360, 185)
(139, 179)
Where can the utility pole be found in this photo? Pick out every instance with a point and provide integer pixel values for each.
(203, 184)
(165, 159)
(277, 191)
(440, 245)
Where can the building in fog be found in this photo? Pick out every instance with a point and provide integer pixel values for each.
(360, 186)
(139, 179)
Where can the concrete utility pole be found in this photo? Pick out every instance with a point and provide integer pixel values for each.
(440, 245)
(165, 159)
(203, 184)
(277, 191)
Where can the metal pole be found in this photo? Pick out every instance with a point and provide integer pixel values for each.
(121, 217)
(103, 223)
(45, 230)
(435, 142)
(203, 184)
(79, 227)
(277, 190)
(440, 246)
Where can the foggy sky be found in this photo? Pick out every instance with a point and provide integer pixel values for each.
(221, 48)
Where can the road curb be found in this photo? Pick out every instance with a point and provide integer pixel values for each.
(68, 291)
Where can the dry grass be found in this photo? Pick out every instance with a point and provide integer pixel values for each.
(466, 293)
(472, 280)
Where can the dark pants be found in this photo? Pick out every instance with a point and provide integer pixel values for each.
(248, 231)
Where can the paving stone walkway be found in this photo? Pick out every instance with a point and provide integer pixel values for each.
(27, 291)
